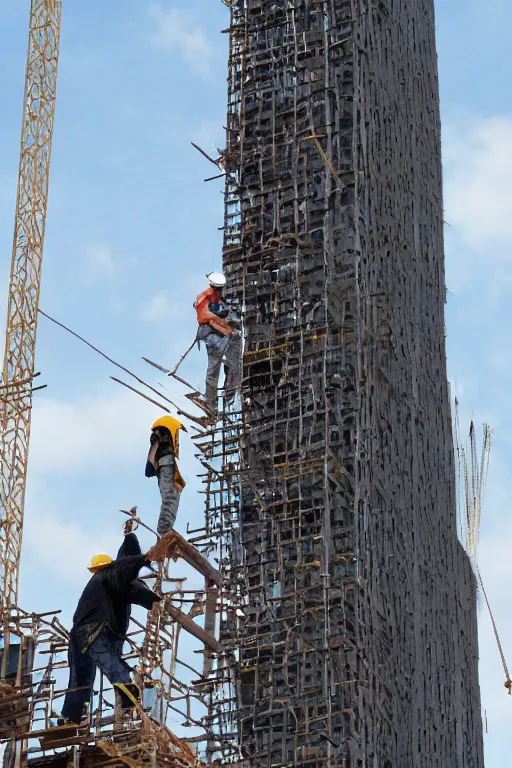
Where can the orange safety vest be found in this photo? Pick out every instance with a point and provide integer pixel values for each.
(205, 317)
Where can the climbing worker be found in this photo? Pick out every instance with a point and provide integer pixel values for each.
(218, 328)
(99, 628)
(162, 462)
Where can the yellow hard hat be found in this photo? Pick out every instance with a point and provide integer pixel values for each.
(170, 423)
(174, 426)
(98, 562)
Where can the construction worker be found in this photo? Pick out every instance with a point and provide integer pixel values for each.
(162, 461)
(218, 329)
(99, 628)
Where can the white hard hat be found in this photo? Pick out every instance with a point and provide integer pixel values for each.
(216, 279)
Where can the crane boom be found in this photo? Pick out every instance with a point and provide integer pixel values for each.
(24, 285)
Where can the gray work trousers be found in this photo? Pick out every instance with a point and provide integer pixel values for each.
(170, 495)
(227, 350)
(216, 346)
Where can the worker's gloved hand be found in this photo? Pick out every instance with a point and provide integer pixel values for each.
(160, 550)
(128, 527)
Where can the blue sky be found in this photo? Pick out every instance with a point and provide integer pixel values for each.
(132, 229)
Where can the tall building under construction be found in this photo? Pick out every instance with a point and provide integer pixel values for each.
(332, 605)
(359, 644)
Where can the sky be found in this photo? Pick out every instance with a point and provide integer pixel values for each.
(132, 229)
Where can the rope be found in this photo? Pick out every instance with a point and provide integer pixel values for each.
(508, 681)
(126, 370)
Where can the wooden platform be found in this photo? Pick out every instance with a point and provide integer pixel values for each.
(179, 547)
(61, 736)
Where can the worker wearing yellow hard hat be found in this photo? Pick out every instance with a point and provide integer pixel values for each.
(98, 562)
(101, 621)
(162, 462)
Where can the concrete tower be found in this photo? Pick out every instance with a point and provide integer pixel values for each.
(359, 644)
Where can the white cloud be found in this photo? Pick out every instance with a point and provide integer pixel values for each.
(162, 309)
(100, 431)
(89, 432)
(158, 309)
(99, 262)
(478, 193)
(64, 548)
(176, 30)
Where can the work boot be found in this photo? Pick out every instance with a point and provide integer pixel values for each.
(64, 721)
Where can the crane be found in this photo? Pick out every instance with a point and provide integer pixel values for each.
(24, 284)
(472, 471)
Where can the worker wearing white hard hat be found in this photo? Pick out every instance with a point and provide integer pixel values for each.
(217, 328)
(216, 279)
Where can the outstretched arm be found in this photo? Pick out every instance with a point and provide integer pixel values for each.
(142, 595)
(160, 550)
(130, 546)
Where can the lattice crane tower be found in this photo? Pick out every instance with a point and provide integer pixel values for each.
(25, 280)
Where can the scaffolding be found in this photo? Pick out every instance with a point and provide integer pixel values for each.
(33, 680)
(219, 541)
(334, 509)
(298, 665)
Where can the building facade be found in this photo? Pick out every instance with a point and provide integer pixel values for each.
(359, 644)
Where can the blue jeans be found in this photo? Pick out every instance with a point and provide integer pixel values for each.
(104, 653)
